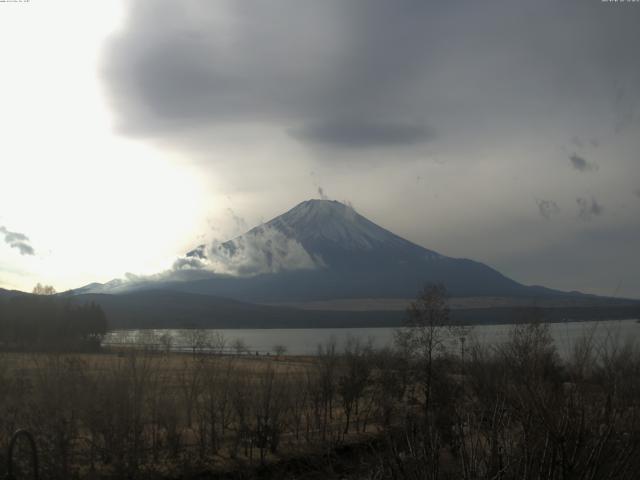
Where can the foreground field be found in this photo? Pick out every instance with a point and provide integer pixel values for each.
(148, 413)
(411, 413)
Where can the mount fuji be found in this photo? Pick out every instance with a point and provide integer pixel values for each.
(321, 250)
(321, 264)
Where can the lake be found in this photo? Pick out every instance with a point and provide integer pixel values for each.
(304, 341)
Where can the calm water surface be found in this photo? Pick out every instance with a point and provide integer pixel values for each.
(304, 341)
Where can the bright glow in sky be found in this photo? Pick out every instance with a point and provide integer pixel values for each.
(94, 205)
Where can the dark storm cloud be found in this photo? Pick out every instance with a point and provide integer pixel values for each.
(17, 240)
(588, 208)
(307, 65)
(581, 164)
(547, 208)
(361, 134)
(394, 69)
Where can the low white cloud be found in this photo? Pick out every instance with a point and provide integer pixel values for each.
(262, 250)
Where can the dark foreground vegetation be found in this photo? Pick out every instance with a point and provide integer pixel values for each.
(515, 411)
(46, 322)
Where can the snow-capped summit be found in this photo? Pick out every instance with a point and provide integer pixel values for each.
(314, 234)
(315, 222)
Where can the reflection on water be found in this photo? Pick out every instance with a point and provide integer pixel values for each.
(304, 341)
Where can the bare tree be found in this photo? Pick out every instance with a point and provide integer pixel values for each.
(269, 410)
(239, 346)
(217, 342)
(40, 289)
(194, 339)
(166, 342)
(215, 406)
(426, 329)
(279, 350)
(190, 381)
(355, 378)
(327, 365)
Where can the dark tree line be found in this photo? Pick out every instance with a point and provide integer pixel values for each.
(36, 322)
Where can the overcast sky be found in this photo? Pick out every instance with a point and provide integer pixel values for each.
(503, 131)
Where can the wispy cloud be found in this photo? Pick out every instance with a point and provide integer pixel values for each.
(581, 164)
(547, 208)
(589, 208)
(17, 240)
(323, 196)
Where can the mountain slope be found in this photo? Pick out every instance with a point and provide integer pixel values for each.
(320, 250)
(10, 293)
(347, 256)
(328, 233)
(169, 309)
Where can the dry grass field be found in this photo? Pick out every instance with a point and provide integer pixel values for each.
(147, 412)
(516, 411)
